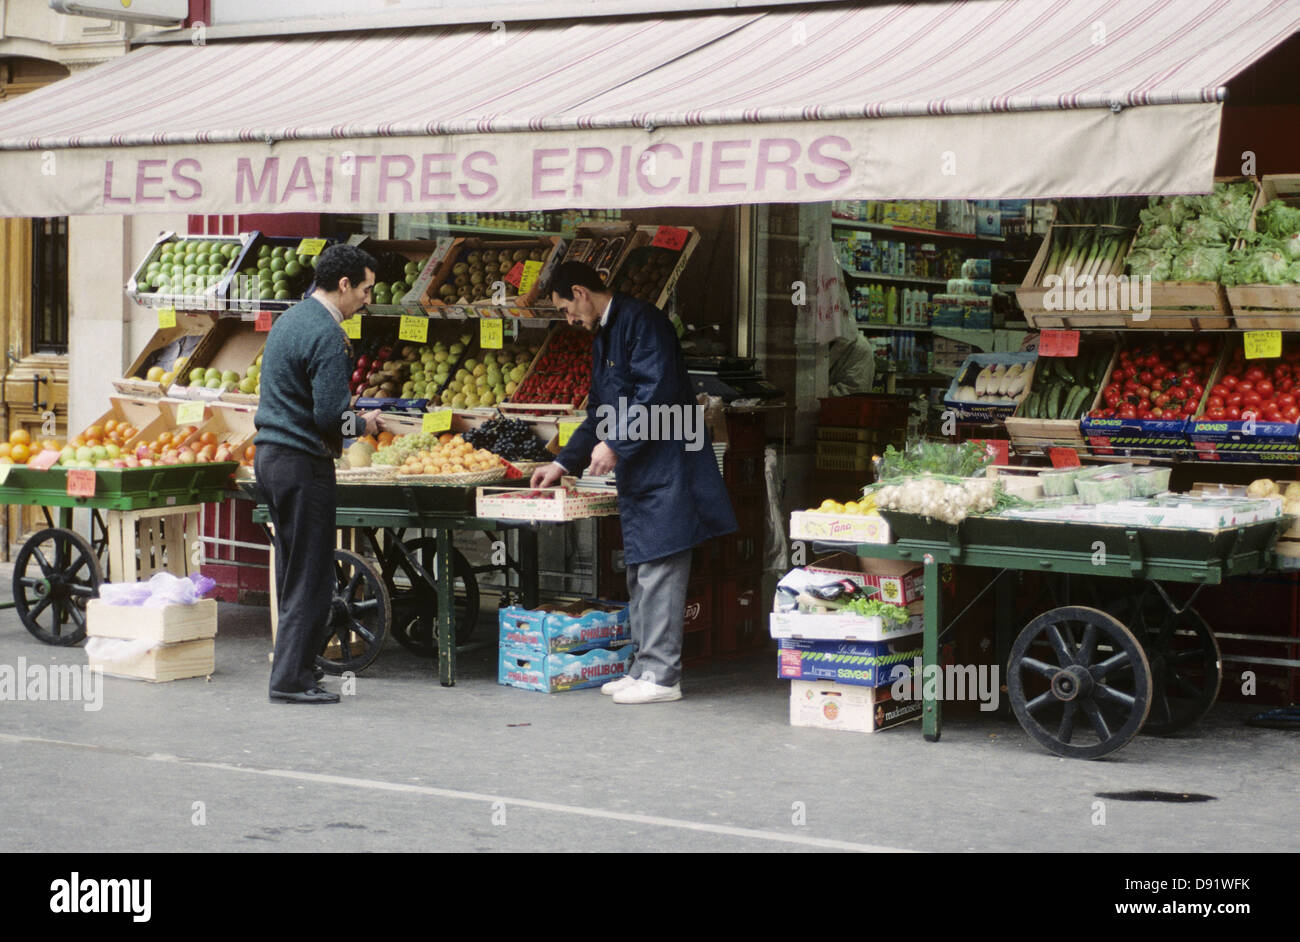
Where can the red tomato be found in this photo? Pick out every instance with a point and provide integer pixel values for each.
(1220, 390)
(1178, 392)
(1232, 413)
(1271, 414)
(1235, 400)
(1216, 414)
(1285, 401)
(1255, 374)
(1214, 402)
(1264, 388)
(1292, 413)
(1229, 380)
(1189, 407)
(1127, 412)
(1145, 377)
(1245, 386)
(1157, 413)
(1198, 391)
(1118, 376)
(1144, 392)
(1285, 385)
(1251, 399)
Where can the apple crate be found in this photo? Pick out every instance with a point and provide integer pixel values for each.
(204, 295)
(655, 262)
(243, 293)
(230, 346)
(441, 296)
(402, 262)
(547, 503)
(163, 663)
(1268, 307)
(170, 624)
(229, 425)
(164, 349)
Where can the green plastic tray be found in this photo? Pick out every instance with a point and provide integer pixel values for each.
(122, 489)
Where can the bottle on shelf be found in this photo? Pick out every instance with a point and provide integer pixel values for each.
(891, 305)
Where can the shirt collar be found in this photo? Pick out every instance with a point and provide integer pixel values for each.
(329, 306)
(604, 317)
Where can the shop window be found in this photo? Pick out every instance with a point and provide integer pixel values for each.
(50, 285)
(342, 225)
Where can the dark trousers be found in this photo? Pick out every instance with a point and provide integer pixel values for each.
(299, 490)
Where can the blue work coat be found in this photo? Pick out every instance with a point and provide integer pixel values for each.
(670, 497)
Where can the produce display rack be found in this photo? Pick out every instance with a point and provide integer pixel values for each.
(57, 570)
(1151, 649)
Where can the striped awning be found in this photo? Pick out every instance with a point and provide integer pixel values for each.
(985, 99)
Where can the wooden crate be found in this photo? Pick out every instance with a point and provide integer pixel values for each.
(1041, 434)
(547, 503)
(165, 662)
(1268, 307)
(170, 625)
(151, 540)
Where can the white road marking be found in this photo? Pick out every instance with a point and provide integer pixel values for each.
(377, 785)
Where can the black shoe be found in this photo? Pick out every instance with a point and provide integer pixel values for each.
(312, 695)
(319, 674)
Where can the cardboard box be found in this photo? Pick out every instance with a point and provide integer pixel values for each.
(232, 344)
(844, 528)
(899, 588)
(169, 625)
(553, 673)
(861, 664)
(988, 409)
(824, 705)
(231, 424)
(163, 349)
(556, 632)
(165, 662)
(842, 627)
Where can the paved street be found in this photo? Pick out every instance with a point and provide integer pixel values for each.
(408, 765)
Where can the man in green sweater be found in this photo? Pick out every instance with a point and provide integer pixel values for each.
(302, 417)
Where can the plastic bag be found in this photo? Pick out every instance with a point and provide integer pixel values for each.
(124, 593)
(161, 590)
(166, 589)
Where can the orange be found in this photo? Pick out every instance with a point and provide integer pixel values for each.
(20, 436)
(20, 453)
(249, 452)
(4, 449)
(110, 425)
(95, 431)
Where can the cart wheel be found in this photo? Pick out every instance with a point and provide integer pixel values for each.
(1185, 663)
(359, 616)
(415, 604)
(55, 575)
(1079, 682)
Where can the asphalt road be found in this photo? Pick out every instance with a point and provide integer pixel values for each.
(405, 764)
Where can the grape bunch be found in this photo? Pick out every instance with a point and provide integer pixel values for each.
(403, 447)
(512, 439)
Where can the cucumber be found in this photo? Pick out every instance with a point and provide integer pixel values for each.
(1064, 372)
(1071, 409)
(1031, 406)
(1054, 403)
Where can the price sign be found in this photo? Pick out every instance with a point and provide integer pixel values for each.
(1058, 343)
(516, 274)
(1262, 344)
(189, 413)
(47, 458)
(529, 276)
(311, 246)
(670, 237)
(1000, 449)
(352, 327)
(413, 328)
(166, 317)
(566, 431)
(4, 472)
(439, 421)
(262, 321)
(490, 333)
(81, 482)
(1063, 457)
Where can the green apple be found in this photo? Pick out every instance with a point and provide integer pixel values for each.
(213, 383)
(85, 453)
(230, 376)
(248, 384)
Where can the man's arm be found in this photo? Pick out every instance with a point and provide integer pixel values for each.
(328, 370)
(653, 372)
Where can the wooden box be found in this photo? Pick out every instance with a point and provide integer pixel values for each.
(1268, 307)
(170, 625)
(190, 330)
(165, 662)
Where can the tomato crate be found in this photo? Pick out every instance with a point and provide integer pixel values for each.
(741, 625)
(562, 362)
(547, 503)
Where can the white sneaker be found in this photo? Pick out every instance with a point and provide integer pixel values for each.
(643, 691)
(614, 686)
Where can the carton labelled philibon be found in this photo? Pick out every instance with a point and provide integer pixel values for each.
(579, 627)
(531, 669)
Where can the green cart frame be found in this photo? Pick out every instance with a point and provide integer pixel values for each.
(57, 570)
(1081, 681)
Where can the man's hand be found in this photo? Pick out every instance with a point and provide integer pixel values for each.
(374, 421)
(547, 475)
(603, 459)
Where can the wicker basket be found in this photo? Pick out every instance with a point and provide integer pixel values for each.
(364, 475)
(490, 476)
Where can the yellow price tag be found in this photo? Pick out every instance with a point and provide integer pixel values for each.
(1262, 344)
(166, 317)
(4, 472)
(439, 421)
(566, 431)
(189, 413)
(529, 277)
(311, 246)
(489, 333)
(414, 328)
(352, 327)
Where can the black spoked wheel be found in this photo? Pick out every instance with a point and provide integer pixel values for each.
(415, 603)
(1079, 682)
(1186, 669)
(359, 616)
(55, 574)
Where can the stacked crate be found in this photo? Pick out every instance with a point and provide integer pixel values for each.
(850, 431)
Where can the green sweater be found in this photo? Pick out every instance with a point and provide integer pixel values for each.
(305, 370)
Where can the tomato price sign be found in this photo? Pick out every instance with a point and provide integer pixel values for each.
(1262, 344)
(1058, 343)
(1064, 457)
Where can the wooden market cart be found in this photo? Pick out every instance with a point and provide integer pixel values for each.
(1083, 680)
(144, 520)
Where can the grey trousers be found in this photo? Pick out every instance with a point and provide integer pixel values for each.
(657, 612)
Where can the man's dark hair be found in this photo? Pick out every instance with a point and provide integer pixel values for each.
(571, 274)
(338, 261)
